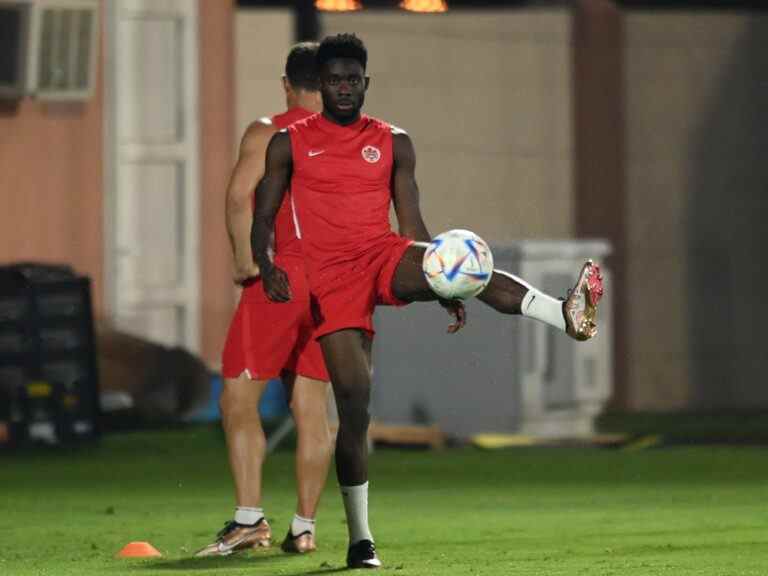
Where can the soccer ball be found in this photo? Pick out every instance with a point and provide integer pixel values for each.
(458, 264)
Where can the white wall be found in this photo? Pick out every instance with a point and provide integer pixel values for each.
(486, 98)
(263, 38)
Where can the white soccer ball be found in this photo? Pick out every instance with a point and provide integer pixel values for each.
(458, 264)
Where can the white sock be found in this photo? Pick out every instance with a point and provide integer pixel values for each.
(248, 516)
(543, 307)
(356, 506)
(299, 525)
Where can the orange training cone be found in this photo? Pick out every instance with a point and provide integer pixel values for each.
(138, 550)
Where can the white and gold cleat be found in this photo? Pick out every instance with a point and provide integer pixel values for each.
(236, 537)
(304, 543)
(580, 308)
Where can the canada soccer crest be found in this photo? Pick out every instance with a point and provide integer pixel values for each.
(371, 154)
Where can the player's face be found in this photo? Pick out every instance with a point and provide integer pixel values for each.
(342, 85)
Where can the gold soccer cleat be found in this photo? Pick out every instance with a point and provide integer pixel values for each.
(301, 544)
(580, 308)
(236, 537)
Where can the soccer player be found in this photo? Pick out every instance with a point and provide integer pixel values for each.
(268, 340)
(344, 168)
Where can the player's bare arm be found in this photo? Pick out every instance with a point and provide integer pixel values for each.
(239, 205)
(269, 196)
(405, 191)
(405, 197)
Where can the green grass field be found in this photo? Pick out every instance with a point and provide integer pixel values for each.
(529, 511)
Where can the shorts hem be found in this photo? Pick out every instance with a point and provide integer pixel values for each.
(390, 268)
(255, 375)
(324, 331)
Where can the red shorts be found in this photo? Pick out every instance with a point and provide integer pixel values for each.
(348, 297)
(268, 338)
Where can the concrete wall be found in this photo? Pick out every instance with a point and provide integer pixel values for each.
(486, 98)
(697, 131)
(262, 41)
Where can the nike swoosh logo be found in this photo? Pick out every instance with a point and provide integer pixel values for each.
(226, 548)
(313, 153)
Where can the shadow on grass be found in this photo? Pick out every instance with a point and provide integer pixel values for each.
(187, 565)
(190, 564)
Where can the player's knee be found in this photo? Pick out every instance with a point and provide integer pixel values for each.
(228, 407)
(353, 392)
(311, 420)
(361, 422)
(234, 403)
(352, 399)
(353, 417)
(309, 407)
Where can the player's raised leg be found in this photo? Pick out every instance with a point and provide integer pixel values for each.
(576, 314)
(239, 405)
(347, 356)
(308, 400)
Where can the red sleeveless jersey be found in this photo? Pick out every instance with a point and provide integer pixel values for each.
(286, 241)
(341, 188)
(288, 254)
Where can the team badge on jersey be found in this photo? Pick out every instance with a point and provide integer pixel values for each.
(371, 154)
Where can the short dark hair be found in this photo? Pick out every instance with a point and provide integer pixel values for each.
(300, 68)
(342, 46)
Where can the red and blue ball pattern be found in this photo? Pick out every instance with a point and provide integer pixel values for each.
(458, 264)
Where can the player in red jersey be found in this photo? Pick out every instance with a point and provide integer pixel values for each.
(268, 340)
(344, 169)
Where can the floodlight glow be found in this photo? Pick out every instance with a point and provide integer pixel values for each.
(424, 6)
(338, 5)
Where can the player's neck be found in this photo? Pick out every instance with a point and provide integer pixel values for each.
(341, 121)
(305, 100)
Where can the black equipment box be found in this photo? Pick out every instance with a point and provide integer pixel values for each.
(48, 374)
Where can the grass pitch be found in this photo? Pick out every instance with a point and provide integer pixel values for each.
(529, 511)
